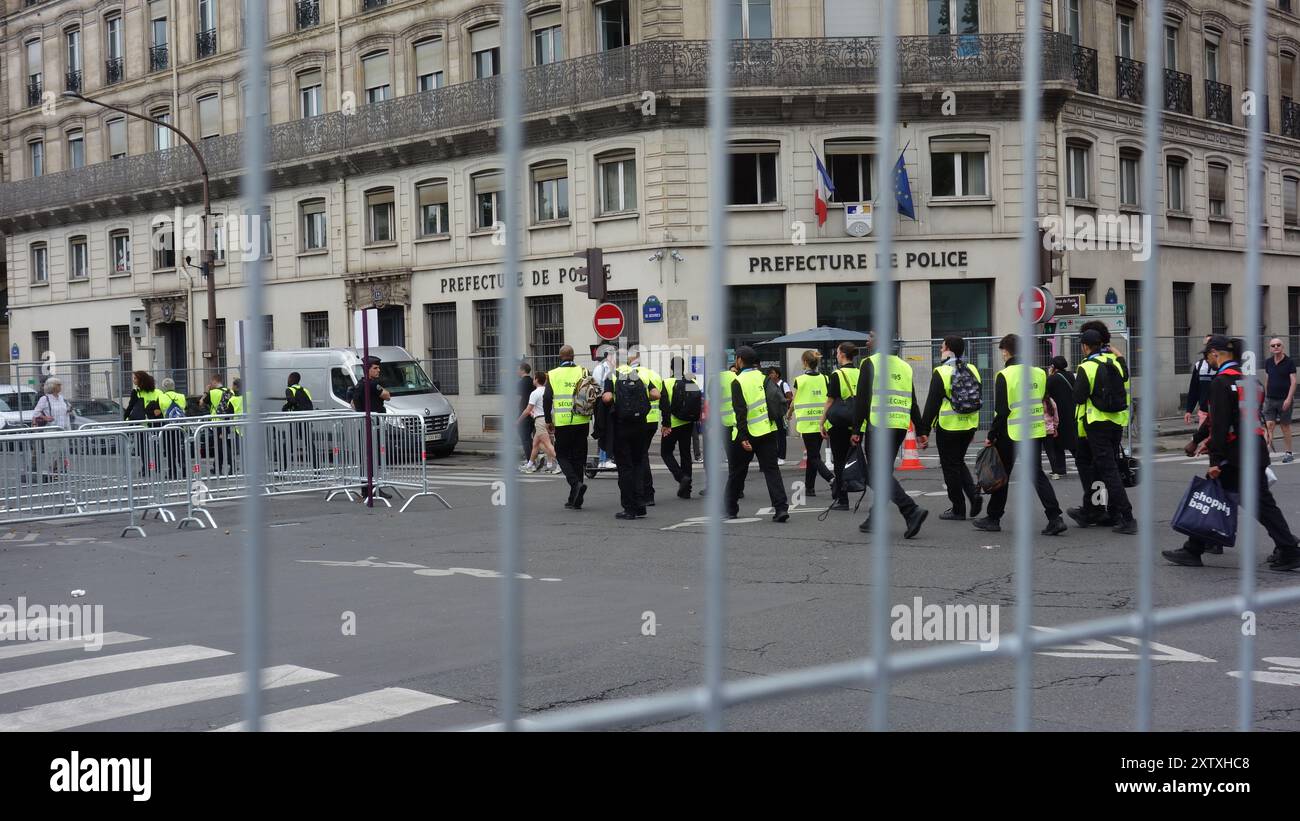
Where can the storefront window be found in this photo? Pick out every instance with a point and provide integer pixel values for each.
(757, 315)
(960, 308)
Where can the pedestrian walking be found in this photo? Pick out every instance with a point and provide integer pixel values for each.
(651, 424)
(1279, 395)
(680, 407)
(52, 411)
(783, 426)
(954, 429)
(1007, 431)
(1062, 436)
(569, 427)
(811, 389)
(173, 405)
(755, 436)
(601, 372)
(369, 386)
(631, 393)
(1220, 433)
(1198, 389)
(1100, 396)
(534, 413)
(889, 401)
(143, 407)
(836, 424)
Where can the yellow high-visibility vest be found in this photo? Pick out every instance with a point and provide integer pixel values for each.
(810, 391)
(753, 388)
(1087, 412)
(950, 419)
(563, 381)
(1033, 406)
(896, 397)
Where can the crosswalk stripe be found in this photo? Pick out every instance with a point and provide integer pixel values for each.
(75, 712)
(353, 711)
(9, 629)
(103, 665)
(28, 648)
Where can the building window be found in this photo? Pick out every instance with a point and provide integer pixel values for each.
(1218, 189)
(72, 49)
(1219, 309)
(851, 18)
(1171, 47)
(1286, 79)
(40, 263)
(162, 135)
(1290, 193)
(1085, 286)
(209, 116)
(757, 314)
(116, 138)
(163, 241)
(1293, 318)
(158, 35)
(40, 344)
(546, 331)
(221, 342)
(1182, 327)
(487, 344)
(36, 157)
(80, 386)
(443, 365)
(1077, 170)
(617, 171)
(1124, 36)
(850, 164)
(379, 216)
(630, 304)
(1176, 171)
(1212, 55)
(267, 230)
(485, 47)
(76, 149)
(434, 216)
(78, 258)
(313, 225)
(217, 237)
(753, 173)
(430, 57)
(115, 70)
(206, 38)
(548, 37)
(307, 13)
(310, 84)
(750, 19)
(948, 17)
(550, 192)
(35, 73)
(1129, 176)
(122, 351)
(959, 166)
(486, 189)
(612, 28)
(1074, 23)
(316, 329)
(374, 70)
(1133, 316)
(119, 243)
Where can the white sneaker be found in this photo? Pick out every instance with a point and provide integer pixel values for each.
(529, 468)
(554, 469)
(608, 464)
(780, 461)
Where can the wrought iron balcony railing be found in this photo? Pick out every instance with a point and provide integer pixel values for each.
(34, 88)
(678, 66)
(1290, 118)
(1129, 77)
(1178, 91)
(205, 43)
(158, 58)
(308, 13)
(1085, 68)
(72, 81)
(114, 70)
(1218, 101)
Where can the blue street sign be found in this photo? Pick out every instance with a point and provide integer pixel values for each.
(652, 310)
(13, 352)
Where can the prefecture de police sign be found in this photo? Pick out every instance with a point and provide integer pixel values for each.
(652, 310)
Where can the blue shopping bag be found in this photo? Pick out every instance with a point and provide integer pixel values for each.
(1207, 512)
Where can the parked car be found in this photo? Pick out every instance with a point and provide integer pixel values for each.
(17, 402)
(96, 410)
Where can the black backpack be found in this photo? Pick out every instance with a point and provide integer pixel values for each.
(965, 390)
(631, 400)
(1108, 394)
(855, 476)
(688, 401)
(225, 407)
(775, 401)
(297, 400)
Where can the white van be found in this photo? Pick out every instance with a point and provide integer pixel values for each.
(330, 374)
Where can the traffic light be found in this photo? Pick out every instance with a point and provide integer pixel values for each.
(1051, 260)
(595, 286)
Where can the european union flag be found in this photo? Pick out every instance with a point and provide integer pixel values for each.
(903, 188)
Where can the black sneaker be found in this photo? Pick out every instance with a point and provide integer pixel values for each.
(733, 514)
(641, 512)
(781, 516)
(811, 494)
(625, 514)
(987, 524)
(683, 490)
(949, 516)
(577, 500)
(865, 527)
(840, 504)
(1081, 517)
(568, 505)
(914, 522)
(976, 505)
(650, 502)
(1055, 527)
(1184, 557)
(1287, 560)
(1128, 526)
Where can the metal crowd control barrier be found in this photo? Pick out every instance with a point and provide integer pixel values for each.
(55, 474)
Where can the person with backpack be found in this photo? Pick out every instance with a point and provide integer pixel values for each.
(782, 388)
(836, 424)
(1220, 434)
(1101, 402)
(568, 404)
(952, 409)
(680, 406)
(755, 436)
(811, 389)
(631, 392)
(1007, 431)
(1062, 438)
(172, 404)
(652, 419)
(296, 397)
(887, 401)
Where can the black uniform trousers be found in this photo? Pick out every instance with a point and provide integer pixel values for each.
(764, 449)
(906, 505)
(571, 453)
(953, 445)
(1006, 448)
(812, 445)
(647, 477)
(1267, 512)
(677, 446)
(1097, 459)
(1056, 451)
(630, 455)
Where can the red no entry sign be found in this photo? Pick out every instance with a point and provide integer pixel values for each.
(608, 321)
(1039, 302)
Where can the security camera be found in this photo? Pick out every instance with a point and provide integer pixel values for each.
(677, 257)
(187, 259)
(657, 256)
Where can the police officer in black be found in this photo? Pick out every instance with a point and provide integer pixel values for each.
(1222, 428)
(631, 446)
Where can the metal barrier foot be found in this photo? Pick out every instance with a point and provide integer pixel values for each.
(136, 528)
(194, 518)
(165, 515)
(415, 496)
(345, 491)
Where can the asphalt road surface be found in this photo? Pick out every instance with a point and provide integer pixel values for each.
(383, 620)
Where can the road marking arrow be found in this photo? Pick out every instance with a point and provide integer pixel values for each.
(1097, 649)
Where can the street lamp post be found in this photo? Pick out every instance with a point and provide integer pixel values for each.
(208, 254)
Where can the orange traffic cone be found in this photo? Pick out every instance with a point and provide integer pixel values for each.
(911, 461)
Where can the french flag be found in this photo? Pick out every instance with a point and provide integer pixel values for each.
(823, 190)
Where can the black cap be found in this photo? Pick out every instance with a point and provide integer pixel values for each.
(1218, 342)
(1090, 338)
